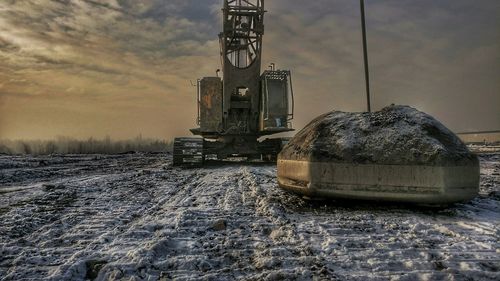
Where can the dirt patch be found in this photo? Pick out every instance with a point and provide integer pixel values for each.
(93, 268)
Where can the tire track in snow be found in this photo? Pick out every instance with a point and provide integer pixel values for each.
(148, 221)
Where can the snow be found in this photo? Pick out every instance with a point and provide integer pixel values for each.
(134, 217)
(395, 135)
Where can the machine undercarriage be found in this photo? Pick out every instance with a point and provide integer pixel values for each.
(193, 151)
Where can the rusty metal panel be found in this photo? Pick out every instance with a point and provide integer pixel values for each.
(210, 104)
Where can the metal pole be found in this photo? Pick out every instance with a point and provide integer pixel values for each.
(365, 54)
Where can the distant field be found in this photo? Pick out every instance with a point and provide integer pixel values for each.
(64, 145)
(484, 148)
(489, 138)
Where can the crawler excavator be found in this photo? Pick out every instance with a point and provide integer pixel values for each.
(236, 112)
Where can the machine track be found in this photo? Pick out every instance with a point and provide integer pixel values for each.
(188, 152)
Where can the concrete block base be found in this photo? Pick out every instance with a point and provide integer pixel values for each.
(402, 183)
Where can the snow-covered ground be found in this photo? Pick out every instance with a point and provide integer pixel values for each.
(134, 217)
(484, 149)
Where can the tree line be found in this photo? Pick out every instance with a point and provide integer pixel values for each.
(65, 145)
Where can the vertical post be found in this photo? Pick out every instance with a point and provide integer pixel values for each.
(365, 54)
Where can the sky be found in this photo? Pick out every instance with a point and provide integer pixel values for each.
(122, 68)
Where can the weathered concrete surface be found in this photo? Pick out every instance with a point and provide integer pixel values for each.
(396, 154)
(418, 184)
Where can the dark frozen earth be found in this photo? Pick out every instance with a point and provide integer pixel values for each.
(134, 217)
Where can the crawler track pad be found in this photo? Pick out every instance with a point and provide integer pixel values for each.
(188, 152)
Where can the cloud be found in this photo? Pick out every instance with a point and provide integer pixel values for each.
(132, 60)
(440, 56)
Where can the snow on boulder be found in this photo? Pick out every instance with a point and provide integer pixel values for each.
(397, 154)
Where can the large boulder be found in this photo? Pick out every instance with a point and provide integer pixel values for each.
(398, 153)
